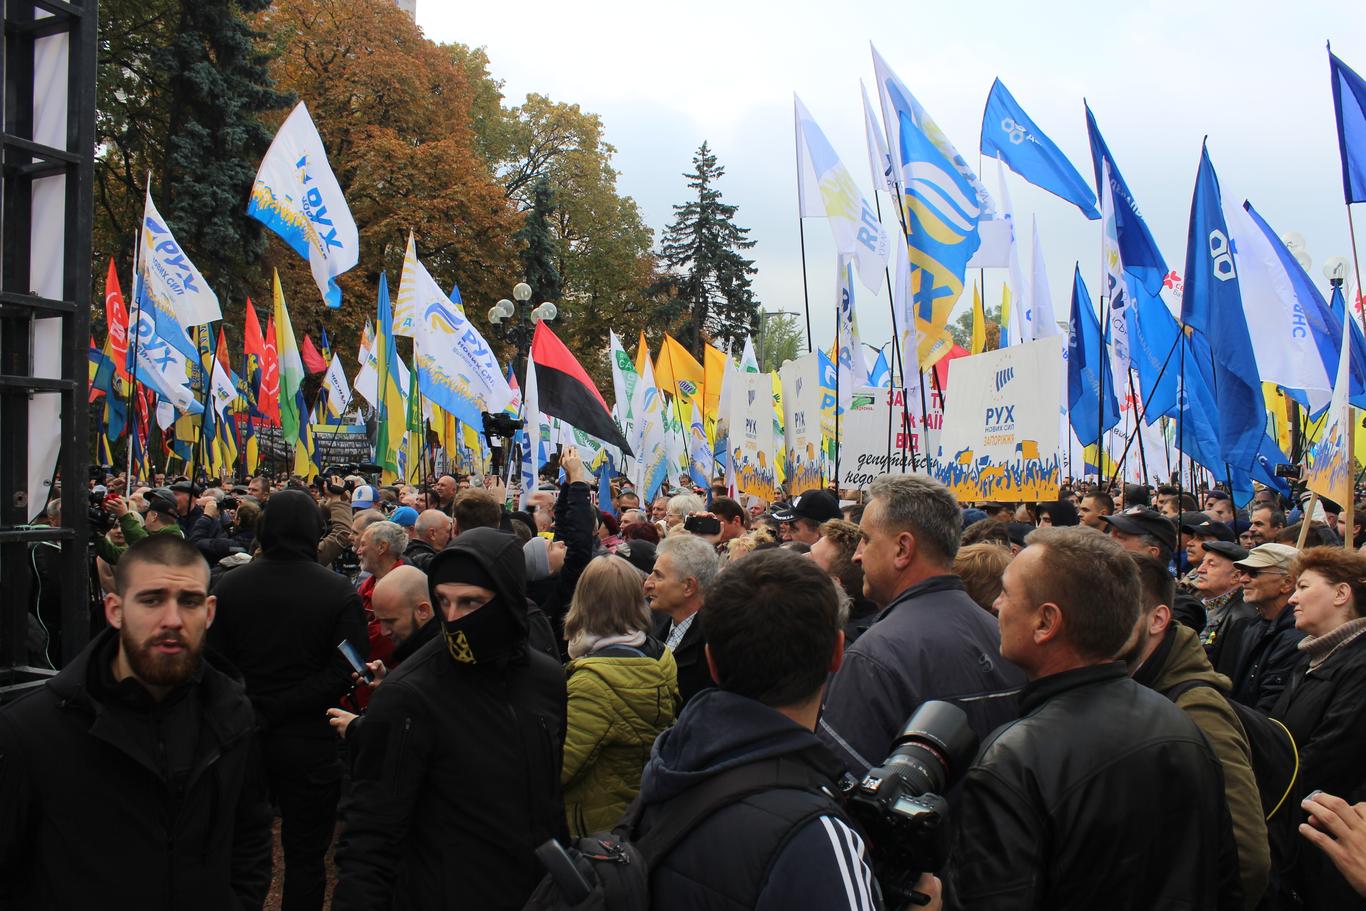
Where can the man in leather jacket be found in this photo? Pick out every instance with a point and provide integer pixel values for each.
(1103, 794)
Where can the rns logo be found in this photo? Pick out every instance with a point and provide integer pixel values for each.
(1221, 251)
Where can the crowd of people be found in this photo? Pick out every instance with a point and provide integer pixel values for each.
(424, 685)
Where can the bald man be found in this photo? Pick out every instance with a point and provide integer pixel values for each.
(403, 609)
(431, 533)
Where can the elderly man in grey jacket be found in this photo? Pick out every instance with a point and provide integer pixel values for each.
(930, 641)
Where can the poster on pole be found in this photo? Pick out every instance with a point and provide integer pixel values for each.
(1000, 436)
(753, 445)
(882, 433)
(802, 423)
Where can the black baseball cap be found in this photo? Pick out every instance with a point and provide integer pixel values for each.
(1199, 523)
(816, 505)
(640, 554)
(1234, 552)
(1142, 521)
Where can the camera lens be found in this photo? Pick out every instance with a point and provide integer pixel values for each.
(934, 747)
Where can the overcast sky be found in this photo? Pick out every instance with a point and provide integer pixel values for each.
(1159, 75)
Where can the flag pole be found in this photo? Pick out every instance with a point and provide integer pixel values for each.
(133, 379)
(806, 295)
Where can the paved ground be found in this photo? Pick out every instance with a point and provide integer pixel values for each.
(278, 868)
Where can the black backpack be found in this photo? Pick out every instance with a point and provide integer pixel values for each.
(1275, 758)
(609, 871)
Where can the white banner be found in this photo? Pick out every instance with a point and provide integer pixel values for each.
(1000, 436)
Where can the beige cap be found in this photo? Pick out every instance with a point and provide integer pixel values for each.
(1269, 556)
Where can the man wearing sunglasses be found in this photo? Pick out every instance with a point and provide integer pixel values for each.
(1263, 651)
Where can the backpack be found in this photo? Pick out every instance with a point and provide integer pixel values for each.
(609, 871)
(1275, 758)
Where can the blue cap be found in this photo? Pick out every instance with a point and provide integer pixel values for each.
(405, 516)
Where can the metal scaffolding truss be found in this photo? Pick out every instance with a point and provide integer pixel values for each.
(47, 135)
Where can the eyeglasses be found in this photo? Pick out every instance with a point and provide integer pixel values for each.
(1254, 573)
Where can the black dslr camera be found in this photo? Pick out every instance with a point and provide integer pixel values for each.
(900, 804)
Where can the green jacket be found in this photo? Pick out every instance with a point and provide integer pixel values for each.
(617, 707)
(133, 532)
(1216, 719)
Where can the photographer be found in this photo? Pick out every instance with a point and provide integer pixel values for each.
(1104, 793)
(220, 530)
(160, 519)
(774, 635)
(336, 508)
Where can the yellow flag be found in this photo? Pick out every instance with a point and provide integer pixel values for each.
(678, 372)
(979, 321)
(1005, 315)
(1278, 407)
(714, 370)
(642, 355)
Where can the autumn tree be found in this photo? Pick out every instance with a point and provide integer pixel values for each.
(708, 284)
(394, 111)
(182, 86)
(961, 329)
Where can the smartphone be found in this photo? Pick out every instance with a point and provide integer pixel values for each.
(702, 525)
(353, 658)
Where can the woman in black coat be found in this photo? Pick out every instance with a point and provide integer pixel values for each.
(1325, 704)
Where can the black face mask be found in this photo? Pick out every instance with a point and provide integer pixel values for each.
(485, 636)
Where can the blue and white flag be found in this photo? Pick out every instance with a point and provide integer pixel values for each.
(1137, 248)
(169, 285)
(1088, 370)
(879, 159)
(297, 196)
(825, 189)
(1337, 308)
(161, 366)
(456, 368)
(1212, 304)
(1010, 134)
(1117, 301)
(1349, 103)
(1286, 314)
(880, 374)
(853, 366)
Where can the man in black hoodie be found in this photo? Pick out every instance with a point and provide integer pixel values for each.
(456, 778)
(773, 638)
(280, 618)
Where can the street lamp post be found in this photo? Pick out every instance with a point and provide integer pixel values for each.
(516, 323)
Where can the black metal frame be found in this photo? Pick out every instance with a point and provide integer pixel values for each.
(22, 162)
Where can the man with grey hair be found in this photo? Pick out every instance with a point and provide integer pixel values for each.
(930, 640)
(680, 507)
(379, 549)
(685, 566)
(1102, 787)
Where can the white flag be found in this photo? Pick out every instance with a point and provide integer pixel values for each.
(338, 390)
(1040, 299)
(1115, 307)
(168, 279)
(825, 189)
(297, 196)
(1021, 328)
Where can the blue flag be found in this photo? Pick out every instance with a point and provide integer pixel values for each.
(1337, 307)
(1008, 132)
(1088, 369)
(880, 374)
(1349, 103)
(1137, 248)
(605, 487)
(1212, 304)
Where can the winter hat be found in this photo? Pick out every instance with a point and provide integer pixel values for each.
(537, 555)
(459, 567)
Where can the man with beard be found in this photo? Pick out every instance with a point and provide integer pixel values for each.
(280, 618)
(132, 778)
(457, 775)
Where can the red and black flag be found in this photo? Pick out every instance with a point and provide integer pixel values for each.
(567, 393)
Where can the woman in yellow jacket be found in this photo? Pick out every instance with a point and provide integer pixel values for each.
(623, 691)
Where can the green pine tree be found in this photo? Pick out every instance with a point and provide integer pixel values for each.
(707, 289)
(218, 84)
(541, 253)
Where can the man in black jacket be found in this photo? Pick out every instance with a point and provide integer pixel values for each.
(931, 640)
(132, 778)
(774, 636)
(1103, 794)
(280, 619)
(431, 533)
(456, 778)
(685, 566)
(1261, 656)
